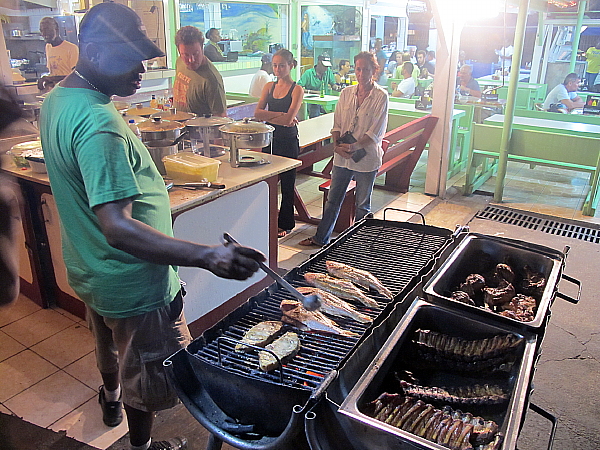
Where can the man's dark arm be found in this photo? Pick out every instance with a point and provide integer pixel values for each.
(125, 233)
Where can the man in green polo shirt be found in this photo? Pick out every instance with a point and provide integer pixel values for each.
(118, 245)
(319, 78)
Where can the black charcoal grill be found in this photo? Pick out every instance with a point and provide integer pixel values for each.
(250, 409)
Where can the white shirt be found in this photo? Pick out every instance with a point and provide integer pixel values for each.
(62, 58)
(557, 94)
(259, 80)
(505, 51)
(407, 87)
(370, 119)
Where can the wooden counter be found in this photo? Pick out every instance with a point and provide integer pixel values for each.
(246, 208)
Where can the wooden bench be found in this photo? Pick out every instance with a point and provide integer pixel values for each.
(534, 147)
(402, 149)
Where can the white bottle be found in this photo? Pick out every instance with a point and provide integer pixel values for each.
(133, 127)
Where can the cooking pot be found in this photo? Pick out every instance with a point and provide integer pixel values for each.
(159, 149)
(206, 126)
(247, 134)
(173, 114)
(158, 129)
(120, 105)
(141, 110)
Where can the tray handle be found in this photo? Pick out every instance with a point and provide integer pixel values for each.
(404, 210)
(545, 414)
(567, 297)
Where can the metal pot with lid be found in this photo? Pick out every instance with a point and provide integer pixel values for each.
(141, 110)
(158, 129)
(245, 134)
(174, 115)
(206, 126)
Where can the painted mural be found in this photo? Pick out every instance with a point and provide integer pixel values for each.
(256, 25)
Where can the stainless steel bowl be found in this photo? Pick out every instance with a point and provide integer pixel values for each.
(160, 149)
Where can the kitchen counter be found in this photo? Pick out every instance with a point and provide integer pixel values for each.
(246, 208)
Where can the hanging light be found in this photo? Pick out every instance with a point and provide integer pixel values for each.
(563, 3)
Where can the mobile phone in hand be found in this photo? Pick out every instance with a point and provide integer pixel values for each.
(358, 154)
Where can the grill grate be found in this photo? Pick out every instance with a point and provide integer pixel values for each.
(540, 223)
(395, 252)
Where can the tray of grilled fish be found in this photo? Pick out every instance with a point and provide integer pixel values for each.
(447, 379)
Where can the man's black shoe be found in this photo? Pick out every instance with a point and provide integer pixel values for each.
(178, 443)
(112, 412)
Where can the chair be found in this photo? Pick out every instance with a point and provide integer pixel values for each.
(458, 160)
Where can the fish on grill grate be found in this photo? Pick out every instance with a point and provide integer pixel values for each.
(357, 276)
(466, 395)
(285, 347)
(260, 335)
(341, 288)
(331, 304)
(450, 428)
(295, 314)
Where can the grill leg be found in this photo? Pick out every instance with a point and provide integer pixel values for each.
(214, 443)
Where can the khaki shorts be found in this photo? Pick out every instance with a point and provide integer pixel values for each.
(137, 346)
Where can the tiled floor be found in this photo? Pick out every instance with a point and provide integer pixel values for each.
(47, 365)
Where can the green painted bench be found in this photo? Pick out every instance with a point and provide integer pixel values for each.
(544, 148)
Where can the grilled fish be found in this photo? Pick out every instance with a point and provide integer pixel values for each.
(335, 306)
(357, 276)
(260, 335)
(341, 288)
(285, 347)
(295, 314)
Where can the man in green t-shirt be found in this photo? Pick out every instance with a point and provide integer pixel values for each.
(198, 84)
(319, 78)
(118, 243)
(592, 56)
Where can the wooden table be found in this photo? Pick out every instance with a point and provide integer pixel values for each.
(315, 145)
(247, 208)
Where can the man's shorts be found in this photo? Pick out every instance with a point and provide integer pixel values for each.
(137, 346)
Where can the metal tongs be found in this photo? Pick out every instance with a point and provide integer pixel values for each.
(310, 302)
(201, 184)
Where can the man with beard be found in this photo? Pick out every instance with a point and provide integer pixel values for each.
(198, 85)
(118, 242)
(61, 56)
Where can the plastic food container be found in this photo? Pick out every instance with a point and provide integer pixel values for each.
(188, 166)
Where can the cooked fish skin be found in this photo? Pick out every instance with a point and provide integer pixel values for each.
(260, 335)
(334, 305)
(285, 347)
(312, 320)
(361, 277)
(341, 288)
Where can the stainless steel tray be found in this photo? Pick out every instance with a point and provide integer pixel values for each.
(479, 253)
(422, 314)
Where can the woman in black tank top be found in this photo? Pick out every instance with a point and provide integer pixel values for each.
(278, 106)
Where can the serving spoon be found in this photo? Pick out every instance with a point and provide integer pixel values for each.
(310, 302)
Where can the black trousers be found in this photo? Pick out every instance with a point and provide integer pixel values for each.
(287, 146)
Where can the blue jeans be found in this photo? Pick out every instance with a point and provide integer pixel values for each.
(340, 178)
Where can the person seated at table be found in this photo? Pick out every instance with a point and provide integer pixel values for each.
(564, 95)
(212, 50)
(342, 77)
(318, 78)
(405, 57)
(430, 62)
(393, 61)
(406, 88)
(467, 85)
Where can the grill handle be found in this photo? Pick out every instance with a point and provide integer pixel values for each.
(567, 297)
(404, 210)
(546, 415)
(285, 440)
